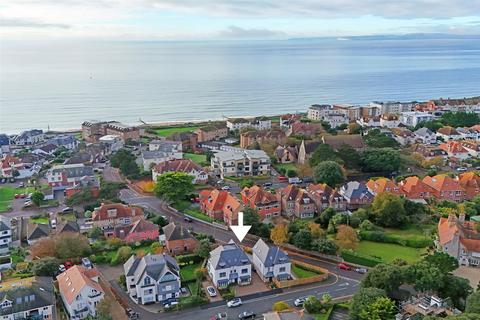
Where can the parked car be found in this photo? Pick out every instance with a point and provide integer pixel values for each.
(62, 268)
(226, 188)
(170, 304)
(361, 270)
(235, 302)
(246, 315)
(307, 179)
(220, 181)
(299, 301)
(67, 210)
(294, 180)
(132, 314)
(21, 185)
(87, 263)
(17, 196)
(211, 291)
(219, 316)
(282, 178)
(344, 266)
(267, 184)
(462, 169)
(187, 219)
(68, 264)
(3, 180)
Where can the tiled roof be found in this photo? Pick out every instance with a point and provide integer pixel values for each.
(26, 294)
(353, 140)
(257, 195)
(383, 185)
(176, 232)
(449, 227)
(442, 182)
(178, 165)
(72, 281)
(216, 200)
(448, 131)
(122, 211)
(269, 255)
(453, 147)
(228, 255)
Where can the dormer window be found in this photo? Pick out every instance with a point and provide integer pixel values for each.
(112, 213)
(147, 281)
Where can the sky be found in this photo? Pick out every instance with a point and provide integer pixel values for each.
(232, 19)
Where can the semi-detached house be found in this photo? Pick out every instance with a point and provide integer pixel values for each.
(271, 262)
(152, 278)
(228, 264)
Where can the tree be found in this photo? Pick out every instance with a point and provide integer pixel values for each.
(174, 186)
(381, 309)
(377, 139)
(45, 267)
(279, 234)
(442, 261)
(460, 119)
(329, 172)
(95, 232)
(455, 288)
(313, 305)
(380, 160)
(111, 190)
(346, 237)
(349, 156)
(325, 246)
(104, 310)
(122, 255)
(315, 230)
(129, 169)
(304, 170)
(204, 248)
(354, 128)
(291, 173)
(388, 210)
(362, 299)
(280, 306)
(71, 245)
(44, 247)
(424, 276)
(37, 198)
(302, 239)
(251, 217)
(325, 216)
(124, 160)
(324, 152)
(384, 276)
(473, 303)
(80, 197)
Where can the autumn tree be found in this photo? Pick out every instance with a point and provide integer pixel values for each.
(304, 170)
(279, 234)
(44, 247)
(388, 210)
(315, 230)
(346, 237)
(71, 245)
(280, 306)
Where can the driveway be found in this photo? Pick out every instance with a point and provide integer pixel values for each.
(472, 274)
(257, 285)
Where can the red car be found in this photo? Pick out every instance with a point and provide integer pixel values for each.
(282, 178)
(344, 266)
(68, 264)
(17, 196)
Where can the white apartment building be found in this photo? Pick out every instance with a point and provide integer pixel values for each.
(413, 118)
(261, 123)
(240, 163)
(319, 111)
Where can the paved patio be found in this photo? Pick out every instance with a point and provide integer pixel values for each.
(257, 285)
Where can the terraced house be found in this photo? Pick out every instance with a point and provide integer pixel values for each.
(296, 202)
(152, 278)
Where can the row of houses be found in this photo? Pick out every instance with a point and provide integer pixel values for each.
(156, 277)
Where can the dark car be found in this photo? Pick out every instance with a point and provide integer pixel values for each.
(187, 219)
(246, 315)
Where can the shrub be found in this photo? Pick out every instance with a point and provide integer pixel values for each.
(189, 259)
(354, 257)
(280, 306)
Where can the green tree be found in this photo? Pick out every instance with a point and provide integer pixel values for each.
(124, 160)
(362, 299)
(291, 173)
(204, 248)
(380, 160)
(455, 288)
(460, 119)
(473, 303)
(174, 186)
(95, 233)
(424, 276)
(280, 306)
(37, 198)
(380, 309)
(313, 305)
(122, 255)
(111, 190)
(325, 217)
(80, 197)
(442, 261)
(323, 153)
(71, 245)
(349, 156)
(384, 276)
(388, 210)
(325, 246)
(251, 217)
(45, 267)
(377, 139)
(329, 172)
(302, 239)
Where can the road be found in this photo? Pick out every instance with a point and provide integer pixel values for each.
(341, 283)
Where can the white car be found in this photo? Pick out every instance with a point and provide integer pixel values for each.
(299, 302)
(234, 303)
(226, 188)
(211, 291)
(62, 268)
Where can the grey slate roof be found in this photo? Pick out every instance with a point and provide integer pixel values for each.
(355, 190)
(4, 226)
(155, 266)
(423, 132)
(68, 226)
(176, 232)
(25, 297)
(37, 231)
(269, 256)
(227, 256)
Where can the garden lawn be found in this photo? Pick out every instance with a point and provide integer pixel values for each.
(197, 158)
(301, 273)
(388, 252)
(199, 215)
(163, 132)
(8, 193)
(187, 273)
(39, 220)
(286, 166)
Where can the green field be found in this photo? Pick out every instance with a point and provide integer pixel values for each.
(301, 272)
(388, 252)
(197, 158)
(163, 132)
(7, 194)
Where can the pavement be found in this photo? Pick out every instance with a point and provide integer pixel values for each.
(111, 174)
(340, 283)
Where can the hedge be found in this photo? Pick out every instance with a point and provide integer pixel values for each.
(356, 258)
(189, 259)
(378, 236)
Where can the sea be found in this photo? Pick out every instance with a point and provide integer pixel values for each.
(59, 84)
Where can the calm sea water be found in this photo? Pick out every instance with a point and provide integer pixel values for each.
(61, 84)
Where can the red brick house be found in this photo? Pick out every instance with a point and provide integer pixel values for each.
(325, 196)
(265, 202)
(296, 202)
(110, 216)
(414, 188)
(305, 129)
(446, 188)
(221, 205)
(138, 231)
(178, 239)
(470, 181)
(384, 185)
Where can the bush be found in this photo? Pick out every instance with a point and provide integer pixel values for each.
(354, 257)
(280, 306)
(189, 259)
(121, 256)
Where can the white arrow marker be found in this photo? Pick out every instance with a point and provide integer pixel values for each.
(240, 230)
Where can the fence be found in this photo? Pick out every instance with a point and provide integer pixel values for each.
(297, 282)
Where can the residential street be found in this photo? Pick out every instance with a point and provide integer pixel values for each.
(341, 283)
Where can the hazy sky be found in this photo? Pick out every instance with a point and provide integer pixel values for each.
(232, 19)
